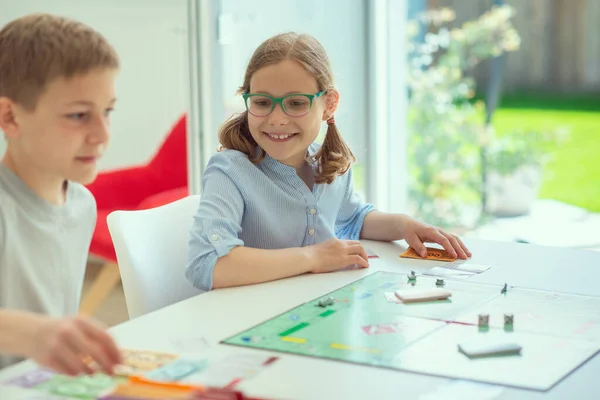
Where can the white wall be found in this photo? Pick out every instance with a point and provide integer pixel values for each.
(151, 39)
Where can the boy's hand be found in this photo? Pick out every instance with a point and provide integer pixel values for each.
(416, 233)
(62, 344)
(335, 254)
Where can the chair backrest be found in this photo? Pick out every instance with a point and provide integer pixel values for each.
(152, 249)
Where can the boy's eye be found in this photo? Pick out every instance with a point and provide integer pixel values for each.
(108, 111)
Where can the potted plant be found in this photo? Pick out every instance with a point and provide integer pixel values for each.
(514, 168)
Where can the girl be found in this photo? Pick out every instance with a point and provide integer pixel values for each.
(274, 203)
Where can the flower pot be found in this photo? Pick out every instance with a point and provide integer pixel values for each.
(513, 195)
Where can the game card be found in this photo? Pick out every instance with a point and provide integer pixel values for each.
(391, 297)
(31, 378)
(136, 362)
(176, 370)
(468, 267)
(432, 254)
(445, 272)
(371, 253)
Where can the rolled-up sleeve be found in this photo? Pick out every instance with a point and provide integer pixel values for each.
(216, 227)
(352, 212)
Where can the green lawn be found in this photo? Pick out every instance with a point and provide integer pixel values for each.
(574, 175)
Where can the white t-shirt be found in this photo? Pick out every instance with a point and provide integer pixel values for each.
(43, 248)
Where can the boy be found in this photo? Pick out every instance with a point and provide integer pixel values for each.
(56, 93)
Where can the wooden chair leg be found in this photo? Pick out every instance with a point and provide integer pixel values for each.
(107, 279)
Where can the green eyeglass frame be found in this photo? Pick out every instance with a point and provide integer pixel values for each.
(280, 101)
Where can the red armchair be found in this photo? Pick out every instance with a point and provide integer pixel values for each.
(162, 180)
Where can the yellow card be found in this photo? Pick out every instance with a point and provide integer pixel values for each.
(137, 362)
(432, 254)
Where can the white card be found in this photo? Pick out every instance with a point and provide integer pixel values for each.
(481, 348)
(371, 253)
(413, 295)
(449, 273)
(391, 297)
(468, 267)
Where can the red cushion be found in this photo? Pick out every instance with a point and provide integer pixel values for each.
(102, 245)
(163, 198)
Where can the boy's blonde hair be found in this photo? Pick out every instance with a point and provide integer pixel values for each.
(38, 48)
(334, 156)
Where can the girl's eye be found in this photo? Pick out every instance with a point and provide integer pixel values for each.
(108, 111)
(77, 116)
(262, 103)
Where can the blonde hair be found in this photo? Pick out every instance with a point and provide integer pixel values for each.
(38, 48)
(334, 157)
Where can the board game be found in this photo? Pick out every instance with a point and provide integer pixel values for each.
(147, 374)
(366, 323)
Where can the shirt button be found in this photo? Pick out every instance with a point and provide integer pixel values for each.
(214, 237)
(311, 231)
(312, 211)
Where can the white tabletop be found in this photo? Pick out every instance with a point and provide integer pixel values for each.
(223, 313)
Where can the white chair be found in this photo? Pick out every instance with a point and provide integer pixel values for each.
(152, 248)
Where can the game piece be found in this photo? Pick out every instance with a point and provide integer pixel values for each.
(432, 254)
(508, 319)
(483, 349)
(439, 282)
(326, 302)
(411, 295)
(484, 320)
(412, 276)
(504, 289)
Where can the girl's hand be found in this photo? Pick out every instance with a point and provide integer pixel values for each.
(335, 254)
(417, 233)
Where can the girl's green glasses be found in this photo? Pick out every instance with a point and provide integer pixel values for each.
(294, 105)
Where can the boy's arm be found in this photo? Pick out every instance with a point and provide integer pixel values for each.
(17, 331)
(57, 343)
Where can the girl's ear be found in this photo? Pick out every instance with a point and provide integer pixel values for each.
(332, 98)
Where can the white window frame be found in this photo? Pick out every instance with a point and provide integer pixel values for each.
(387, 181)
(205, 92)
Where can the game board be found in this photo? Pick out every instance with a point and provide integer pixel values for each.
(367, 325)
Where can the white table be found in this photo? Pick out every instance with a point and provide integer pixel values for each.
(222, 313)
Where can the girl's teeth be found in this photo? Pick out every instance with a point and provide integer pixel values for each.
(280, 136)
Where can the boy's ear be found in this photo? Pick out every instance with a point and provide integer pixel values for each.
(332, 98)
(8, 122)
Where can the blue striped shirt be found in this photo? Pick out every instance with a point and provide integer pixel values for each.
(266, 206)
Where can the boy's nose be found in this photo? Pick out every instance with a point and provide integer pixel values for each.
(100, 131)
